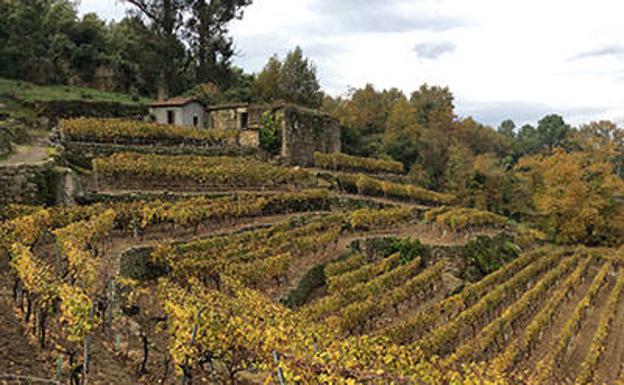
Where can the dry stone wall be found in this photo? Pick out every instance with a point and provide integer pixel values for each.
(25, 183)
(5, 143)
(305, 131)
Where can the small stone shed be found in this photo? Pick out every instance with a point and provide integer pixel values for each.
(179, 112)
(304, 130)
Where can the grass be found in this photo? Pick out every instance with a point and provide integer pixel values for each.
(29, 92)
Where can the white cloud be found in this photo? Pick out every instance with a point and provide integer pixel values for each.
(510, 58)
(107, 9)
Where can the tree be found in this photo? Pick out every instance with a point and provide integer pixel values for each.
(26, 49)
(266, 86)
(481, 139)
(402, 134)
(298, 81)
(294, 80)
(207, 29)
(459, 173)
(551, 131)
(434, 107)
(166, 17)
(604, 139)
(89, 49)
(526, 142)
(576, 196)
(133, 51)
(507, 128)
(365, 111)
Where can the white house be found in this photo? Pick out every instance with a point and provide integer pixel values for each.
(179, 112)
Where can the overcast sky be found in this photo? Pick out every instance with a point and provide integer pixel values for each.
(500, 58)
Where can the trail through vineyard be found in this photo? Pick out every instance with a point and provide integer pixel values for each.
(550, 337)
(17, 355)
(21, 356)
(580, 345)
(609, 369)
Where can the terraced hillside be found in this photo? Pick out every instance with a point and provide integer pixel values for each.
(233, 269)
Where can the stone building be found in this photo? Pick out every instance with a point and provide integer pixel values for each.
(179, 112)
(304, 130)
(236, 116)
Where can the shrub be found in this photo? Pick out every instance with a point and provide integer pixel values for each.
(339, 161)
(461, 218)
(365, 185)
(270, 134)
(138, 132)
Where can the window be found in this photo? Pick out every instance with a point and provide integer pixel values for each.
(196, 121)
(170, 117)
(244, 120)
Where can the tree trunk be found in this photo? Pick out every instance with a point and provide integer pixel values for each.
(42, 327)
(145, 345)
(28, 309)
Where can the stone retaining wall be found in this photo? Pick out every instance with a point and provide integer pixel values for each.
(26, 183)
(5, 143)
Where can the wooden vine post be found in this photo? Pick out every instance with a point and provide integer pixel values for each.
(185, 367)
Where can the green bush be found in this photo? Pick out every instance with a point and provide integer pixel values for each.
(410, 249)
(485, 255)
(270, 134)
(312, 280)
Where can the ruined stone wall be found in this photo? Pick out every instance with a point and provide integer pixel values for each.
(305, 131)
(5, 143)
(231, 118)
(27, 183)
(249, 139)
(226, 119)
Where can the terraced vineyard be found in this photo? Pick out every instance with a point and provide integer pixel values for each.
(254, 272)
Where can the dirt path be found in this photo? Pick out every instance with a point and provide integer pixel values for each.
(25, 154)
(426, 234)
(36, 151)
(550, 337)
(153, 238)
(571, 365)
(159, 192)
(610, 365)
(105, 368)
(17, 355)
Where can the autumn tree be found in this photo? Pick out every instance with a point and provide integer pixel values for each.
(480, 181)
(459, 173)
(402, 135)
(434, 106)
(480, 138)
(576, 196)
(365, 116)
(604, 139)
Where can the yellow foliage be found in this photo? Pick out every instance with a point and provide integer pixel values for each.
(577, 196)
